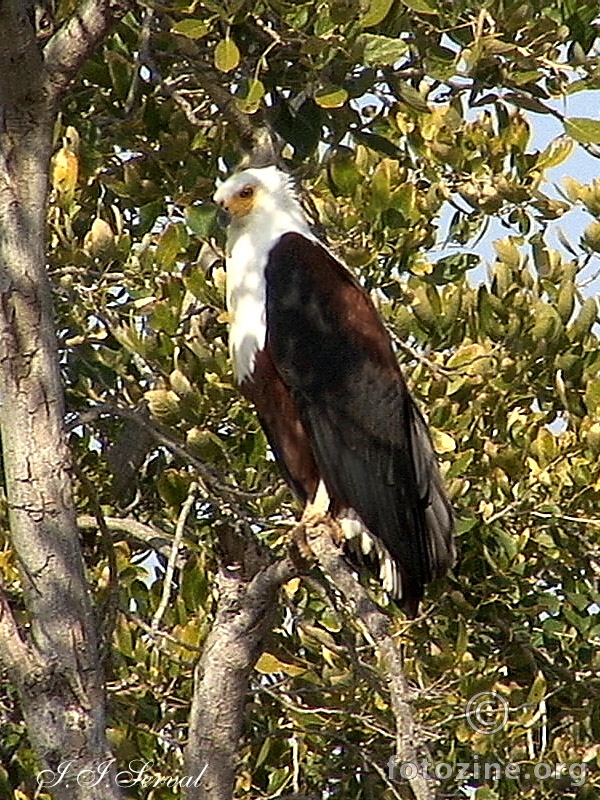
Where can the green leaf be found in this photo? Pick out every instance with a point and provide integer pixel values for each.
(555, 153)
(192, 28)
(522, 100)
(250, 101)
(582, 324)
(411, 96)
(120, 72)
(342, 172)
(586, 131)
(377, 11)
(331, 97)
(592, 396)
(380, 187)
(227, 55)
(201, 219)
(381, 51)
(378, 143)
(168, 246)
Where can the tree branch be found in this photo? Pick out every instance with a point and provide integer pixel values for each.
(16, 656)
(229, 493)
(166, 592)
(20, 59)
(245, 614)
(212, 84)
(74, 42)
(62, 700)
(375, 626)
(140, 532)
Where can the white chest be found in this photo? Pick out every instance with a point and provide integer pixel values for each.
(250, 244)
(246, 303)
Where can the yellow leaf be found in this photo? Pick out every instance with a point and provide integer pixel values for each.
(292, 586)
(331, 97)
(227, 55)
(269, 663)
(442, 442)
(99, 239)
(219, 277)
(65, 170)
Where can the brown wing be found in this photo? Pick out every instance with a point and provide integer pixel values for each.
(369, 441)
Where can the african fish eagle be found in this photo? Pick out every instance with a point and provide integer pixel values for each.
(311, 352)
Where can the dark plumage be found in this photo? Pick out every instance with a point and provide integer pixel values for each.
(329, 391)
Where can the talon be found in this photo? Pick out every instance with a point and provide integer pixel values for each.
(300, 546)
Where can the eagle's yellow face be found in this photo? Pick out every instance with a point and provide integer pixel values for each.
(237, 199)
(259, 196)
(242, 202)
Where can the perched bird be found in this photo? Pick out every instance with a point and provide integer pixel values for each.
(311, 352)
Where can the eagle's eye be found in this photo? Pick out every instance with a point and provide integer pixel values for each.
(246, 192)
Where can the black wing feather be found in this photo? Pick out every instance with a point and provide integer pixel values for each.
(370, 442)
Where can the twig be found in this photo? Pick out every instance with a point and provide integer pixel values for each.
(565, 518)
(226, 491)
(17, 657)
(145, 534)
(155, 634)
(166, 590)
(436, 369)
(75, 41)
(375, 625)
(109, 612)
(142, 59)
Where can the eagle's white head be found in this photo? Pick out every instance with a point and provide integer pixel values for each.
(262, 206)
(261, 196)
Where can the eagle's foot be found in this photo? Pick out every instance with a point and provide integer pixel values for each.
(299, 544)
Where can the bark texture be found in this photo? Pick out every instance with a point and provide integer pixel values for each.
(410, 743)
(56, 667)
(245, 616)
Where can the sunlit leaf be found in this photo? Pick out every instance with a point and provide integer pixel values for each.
(331, 97)
(381, 50)
(192, 28)
(375, 12)
(586, 131)
(227, 55)
(252, 96)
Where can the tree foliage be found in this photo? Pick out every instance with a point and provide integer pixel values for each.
(410, 123)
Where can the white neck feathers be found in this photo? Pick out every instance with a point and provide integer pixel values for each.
(249, 243)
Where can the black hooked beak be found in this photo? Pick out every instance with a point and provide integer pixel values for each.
(223, 217)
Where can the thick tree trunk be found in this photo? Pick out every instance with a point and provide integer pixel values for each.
(245, 616)
(57, 670)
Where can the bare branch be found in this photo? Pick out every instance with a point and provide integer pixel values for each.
(109, 612)
(166, 592)
(75, 41)
(147, 535)
(245, 615)
(229, 493)
(158, 634)
(375, 625)
(16, 656)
